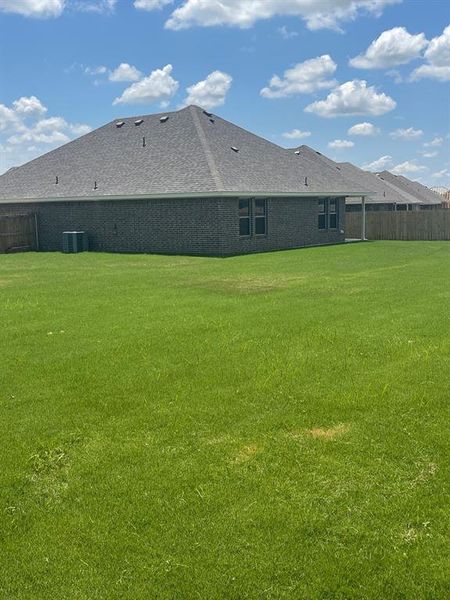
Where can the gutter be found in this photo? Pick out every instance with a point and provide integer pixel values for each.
(169, 196)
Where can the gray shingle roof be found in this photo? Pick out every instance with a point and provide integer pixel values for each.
(416, 189)
(189, 153)
(384, 192)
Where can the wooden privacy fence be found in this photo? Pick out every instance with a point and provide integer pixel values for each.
(18, 233)
(400, 225)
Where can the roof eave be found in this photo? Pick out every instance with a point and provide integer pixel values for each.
(169, 196)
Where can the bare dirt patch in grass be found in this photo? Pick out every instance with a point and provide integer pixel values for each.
(329, 433)
(246, 453)
(426, 473)
(248, 285)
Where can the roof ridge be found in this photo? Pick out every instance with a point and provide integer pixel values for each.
(206, 149)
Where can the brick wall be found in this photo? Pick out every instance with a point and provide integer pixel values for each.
(203, 226)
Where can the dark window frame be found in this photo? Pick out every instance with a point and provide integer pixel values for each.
(328, 214)
(247, 218)
(254, 217)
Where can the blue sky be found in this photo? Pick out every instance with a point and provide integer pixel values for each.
(290, 70)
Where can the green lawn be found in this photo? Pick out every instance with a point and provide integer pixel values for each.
(267, 426)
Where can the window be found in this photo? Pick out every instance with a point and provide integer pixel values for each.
(322, 214)
(253, 217)
(328, 217)
(244, 217)
(332, 213)
(260, 213)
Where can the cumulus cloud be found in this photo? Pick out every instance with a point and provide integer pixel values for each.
(406, 134)
(210, 92)
(380, 164)
(407, 167)
(29, 106)
(366, 129)
(437, 141)
(296, 134)
(125, 72)
(353, 98)
(438, 59)
(321, 14)
(340, 144)
(33, 8)
(26, 132)
(393, 47)
(159, 85)
(304, 78)
(429, 154)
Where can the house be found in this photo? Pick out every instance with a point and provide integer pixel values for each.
(385, 197)
(427, 197)
(185, 182)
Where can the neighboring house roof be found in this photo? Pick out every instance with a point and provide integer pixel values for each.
(384, 192)
(189, 152)
(416, 189)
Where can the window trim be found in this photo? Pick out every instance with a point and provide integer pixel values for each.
(327, 214)
(247, 217)
(252, 217)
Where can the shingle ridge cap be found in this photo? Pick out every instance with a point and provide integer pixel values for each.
(215, 174)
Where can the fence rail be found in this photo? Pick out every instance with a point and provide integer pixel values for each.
(400, 225)
(17, 233)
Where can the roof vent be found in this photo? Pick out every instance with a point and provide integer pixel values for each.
(208, 114)
(143, 142)
(211, 121)
(57, 180)
(164, 119)
(297, 152)
(235, 149)
(95, 185)
(139, 122)
(306, 181)
(120, 124)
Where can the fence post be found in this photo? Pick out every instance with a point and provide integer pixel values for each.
(363, 218)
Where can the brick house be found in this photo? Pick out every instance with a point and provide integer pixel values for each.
(186, 182)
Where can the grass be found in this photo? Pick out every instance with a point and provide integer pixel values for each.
(271, 426)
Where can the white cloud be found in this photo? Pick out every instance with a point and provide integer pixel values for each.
(296, 134)
(437, 141)
(33, 8)
(318, 14)
(440, 174)
(378, 165)
(406, 134)
(304, 78)
(286, 33)
(94, 6)
(429, 154)
(438, 59)
(393, 47)
(408, 167)
(367, 129)
(353, 98)
(101, 70)
(151, 4)
(159, 85)
(340, 144)
(396, 75)
(25, 132)
(210, 92)
(29, 106)
(125, 72)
